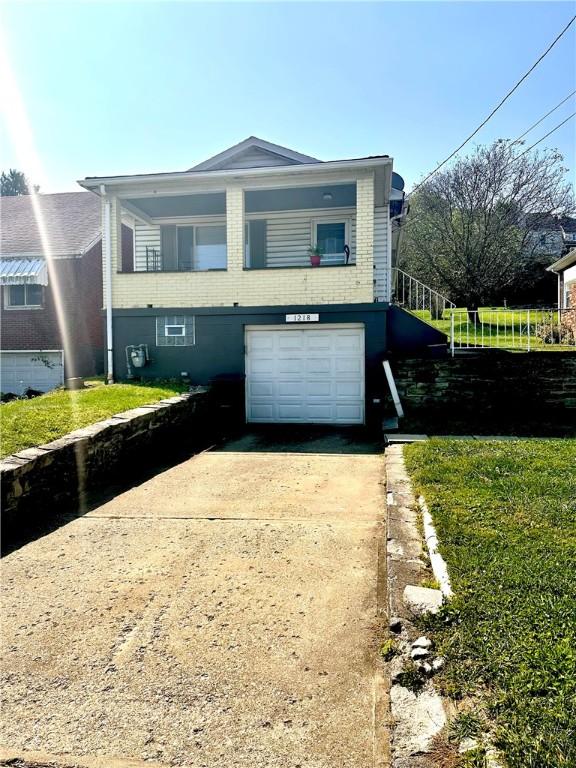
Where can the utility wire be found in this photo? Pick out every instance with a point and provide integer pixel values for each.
(543, 118)
(543, 137)
(497, 107)
(413, 220)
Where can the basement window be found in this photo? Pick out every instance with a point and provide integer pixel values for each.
(179, 331)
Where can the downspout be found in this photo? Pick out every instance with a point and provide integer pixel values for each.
(107, 238)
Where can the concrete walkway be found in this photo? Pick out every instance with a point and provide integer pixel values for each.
(226, 612)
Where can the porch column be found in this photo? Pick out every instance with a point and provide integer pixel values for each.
(365, 226)
(235, 227)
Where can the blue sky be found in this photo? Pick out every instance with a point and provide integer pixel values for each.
(123, 87)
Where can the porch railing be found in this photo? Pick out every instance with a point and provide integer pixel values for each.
(522, 329)
(413, 295)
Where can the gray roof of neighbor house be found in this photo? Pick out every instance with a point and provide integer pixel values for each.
(542, 221)
(568, 224)
(71, 221)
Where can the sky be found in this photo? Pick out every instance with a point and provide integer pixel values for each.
(133, 87)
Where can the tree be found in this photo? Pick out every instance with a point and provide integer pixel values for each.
(14, 183)
(468, 234)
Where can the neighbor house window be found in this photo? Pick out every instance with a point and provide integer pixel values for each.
(331, 237)
(178, 331)
(25, 296)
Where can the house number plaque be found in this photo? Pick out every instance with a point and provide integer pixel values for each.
(302, 318)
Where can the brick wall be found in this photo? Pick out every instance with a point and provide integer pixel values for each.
(80, 285)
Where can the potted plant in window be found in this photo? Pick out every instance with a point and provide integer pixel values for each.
(315, 255)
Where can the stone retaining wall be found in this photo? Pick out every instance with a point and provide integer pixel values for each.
(496, 381)
(44, 480)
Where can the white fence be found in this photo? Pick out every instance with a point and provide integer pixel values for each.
(522, 329)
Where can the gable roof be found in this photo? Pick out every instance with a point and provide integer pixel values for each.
(71, 220)
(253, 153)
(568, 224)
(542, 222)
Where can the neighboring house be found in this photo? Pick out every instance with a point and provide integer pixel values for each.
(565, 269)
(51, 278)
(545, 237)
(222, 285)
(568, 226)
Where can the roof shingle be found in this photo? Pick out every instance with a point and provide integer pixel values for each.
(71, 220)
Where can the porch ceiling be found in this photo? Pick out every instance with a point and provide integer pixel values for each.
(298, 198)
(209, 204)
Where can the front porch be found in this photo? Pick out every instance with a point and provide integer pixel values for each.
(294, 230)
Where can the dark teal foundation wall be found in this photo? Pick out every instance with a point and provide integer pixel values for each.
(219, 350)
(408, 335)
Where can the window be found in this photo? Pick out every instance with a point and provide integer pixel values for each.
(197, 248)
(331, 236)
(175, 331)
(202, 248)
(29, 296)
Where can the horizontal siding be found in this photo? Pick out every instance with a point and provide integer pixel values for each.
(381, 254)
(146, 235)
(288, 236)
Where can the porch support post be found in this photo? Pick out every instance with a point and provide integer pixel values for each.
(235, 227)
(365, 231)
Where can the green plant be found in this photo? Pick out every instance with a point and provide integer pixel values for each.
(315, 250)
(388, 649)
(466, 725)
(411, 678)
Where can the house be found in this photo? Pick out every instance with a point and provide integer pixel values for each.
(545, 236)
(222, 284)
(51, 278)
(565, 269)
(568, 226)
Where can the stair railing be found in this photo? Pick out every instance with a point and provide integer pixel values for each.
(413, 295)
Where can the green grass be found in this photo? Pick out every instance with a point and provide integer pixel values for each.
(503, 329)
(26, 423)
(506, 518)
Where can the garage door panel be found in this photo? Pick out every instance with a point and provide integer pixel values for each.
(290, 365)
(261, 412)
(347, 365)
(36, 370)
(320, 388)
(305, 375)
(348, 389)
(261, 389)
(290, 388)
(322, 365)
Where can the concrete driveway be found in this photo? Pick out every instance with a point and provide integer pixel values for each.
(226, 612)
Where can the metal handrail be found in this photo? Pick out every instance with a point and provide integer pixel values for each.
(412, 294)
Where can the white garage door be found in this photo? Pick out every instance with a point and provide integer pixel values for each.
(38, 370)
(298, 374)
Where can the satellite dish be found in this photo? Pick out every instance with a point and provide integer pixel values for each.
(397, 181)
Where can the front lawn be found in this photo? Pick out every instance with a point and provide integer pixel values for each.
(506, 518)
(25, 423)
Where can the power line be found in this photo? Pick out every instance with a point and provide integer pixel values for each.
(497, 107)
(411, 221)
(544, 118)
(543, 137)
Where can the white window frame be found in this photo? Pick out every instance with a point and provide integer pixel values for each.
(347, 235)
(9, 305)
(163, 322)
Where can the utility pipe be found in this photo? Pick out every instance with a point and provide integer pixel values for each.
(107, 238)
